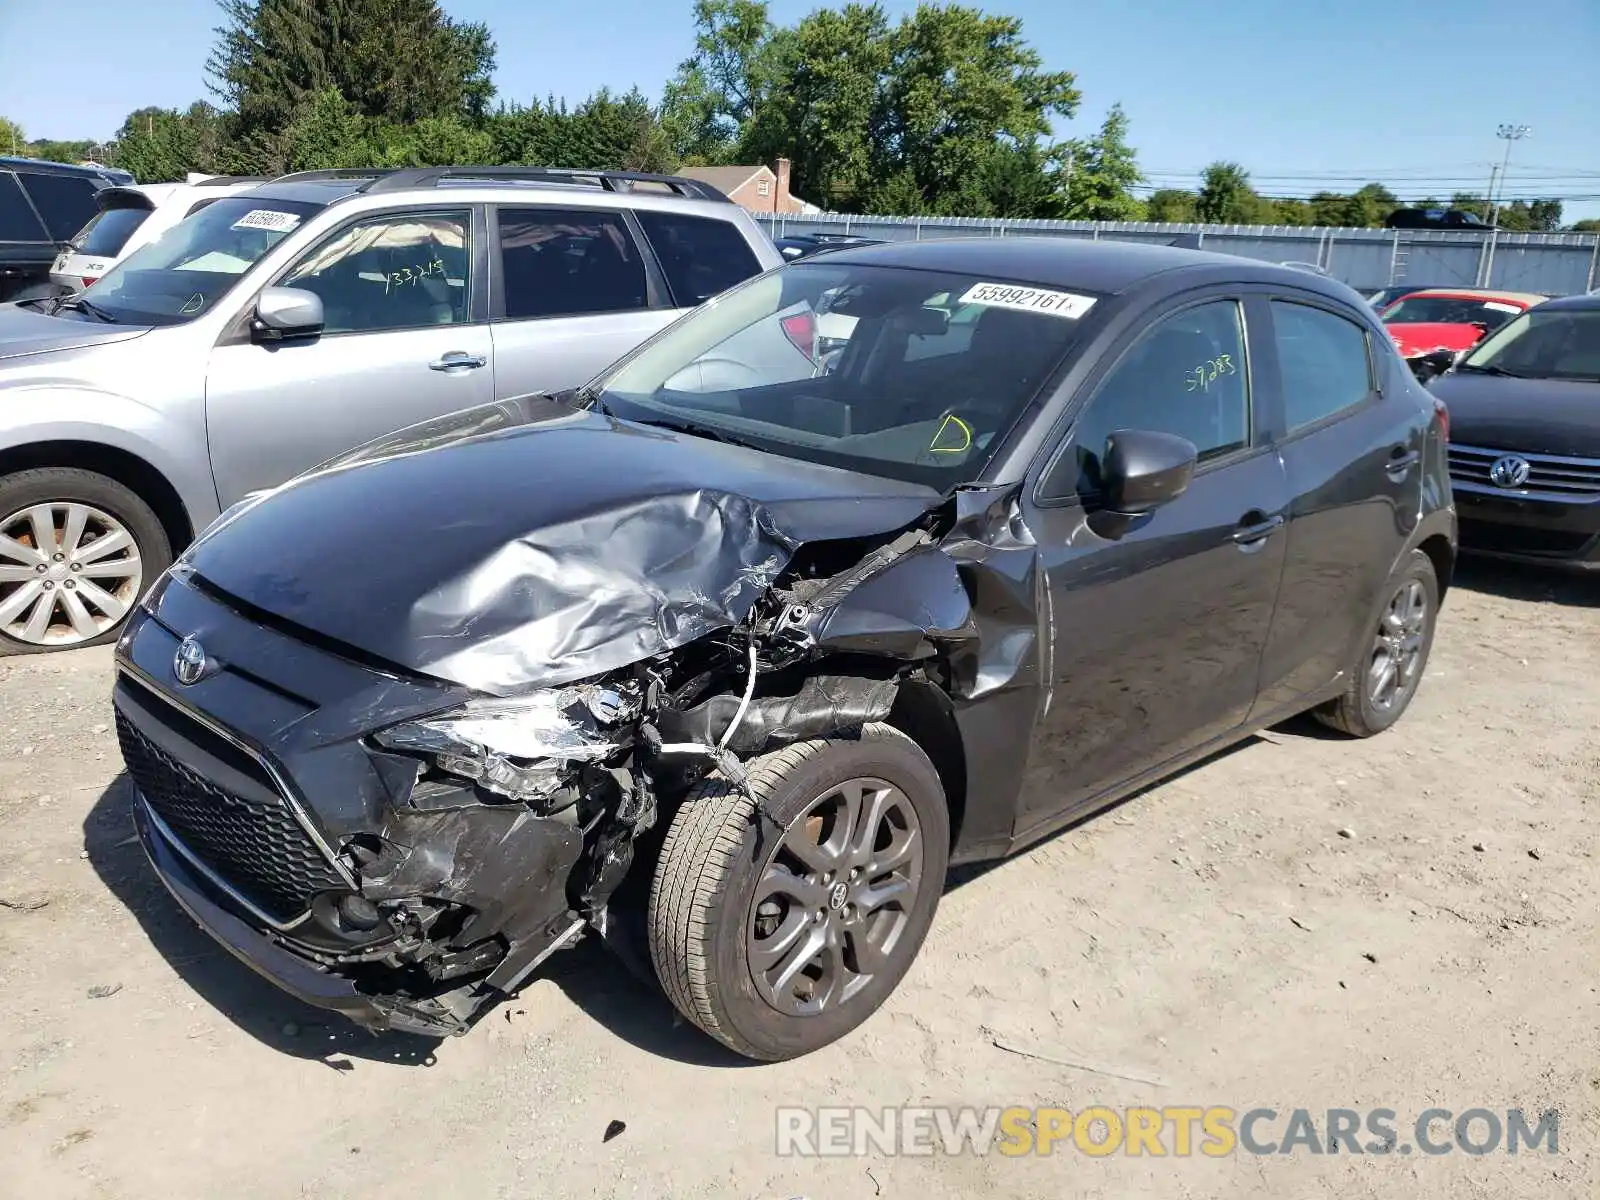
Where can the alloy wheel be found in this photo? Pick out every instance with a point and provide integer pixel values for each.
(69, 572)
(833, 904)
(1397, 649)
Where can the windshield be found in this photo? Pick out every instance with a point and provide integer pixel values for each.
(914, 375)
(1451, 310)
(1543, 344)
(191, 266)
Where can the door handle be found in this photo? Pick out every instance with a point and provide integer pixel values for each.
(1401, 460)
(457, 359)
(1252, 535)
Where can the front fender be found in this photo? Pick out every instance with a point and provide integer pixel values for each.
(32, 414)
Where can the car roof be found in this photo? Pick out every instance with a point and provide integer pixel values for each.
(1468, 293)
(1104, 266)
(44, 167)
(1584, 302)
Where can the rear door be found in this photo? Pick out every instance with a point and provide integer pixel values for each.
(1352, 439)
(404, 340)
(572, 291)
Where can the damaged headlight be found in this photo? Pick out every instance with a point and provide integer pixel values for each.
(522, 747)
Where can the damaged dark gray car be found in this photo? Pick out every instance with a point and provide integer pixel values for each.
(898, 557)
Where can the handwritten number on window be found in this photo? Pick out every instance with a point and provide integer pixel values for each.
(412, 275)
(1202, 377)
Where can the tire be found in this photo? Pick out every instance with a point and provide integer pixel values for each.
(1358, 712)
(702, 912)
(112, 508)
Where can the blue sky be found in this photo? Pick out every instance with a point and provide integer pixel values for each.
(1302, 94)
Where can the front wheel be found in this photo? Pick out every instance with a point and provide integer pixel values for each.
(1392, 659)
(778, 932)
(77, 550)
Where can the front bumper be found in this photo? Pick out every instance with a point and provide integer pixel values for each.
(257, 789)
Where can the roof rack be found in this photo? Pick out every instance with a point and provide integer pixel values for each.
(387, 180)
(225, 180)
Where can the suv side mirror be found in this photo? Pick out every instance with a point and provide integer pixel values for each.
(283, 313)
(1141, 470)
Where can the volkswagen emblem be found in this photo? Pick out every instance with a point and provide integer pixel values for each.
(837, 895)
(189, 663)
(1509, 471)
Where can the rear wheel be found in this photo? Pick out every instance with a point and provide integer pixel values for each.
(77, 550)
(777, 936)
(1387, 670)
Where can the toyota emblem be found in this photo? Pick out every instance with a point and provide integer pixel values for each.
(1510, 471)
(837, 895)
(189, 663)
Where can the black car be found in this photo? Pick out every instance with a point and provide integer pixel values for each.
(1434, 218)
(42, 205)
(744, 666)
(803, 245)
(1525, 436)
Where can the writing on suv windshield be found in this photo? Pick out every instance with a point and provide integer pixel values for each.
(914, 375)
(185, 271)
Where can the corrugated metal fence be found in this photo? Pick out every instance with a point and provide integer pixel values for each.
(1366, 259)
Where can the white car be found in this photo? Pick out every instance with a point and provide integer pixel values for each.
(134, 216)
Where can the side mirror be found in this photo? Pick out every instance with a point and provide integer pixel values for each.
(283, 313)
(1142, 470)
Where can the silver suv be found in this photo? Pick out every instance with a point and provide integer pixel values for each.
(280, 326)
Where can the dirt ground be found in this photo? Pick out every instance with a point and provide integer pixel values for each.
(1305, 921)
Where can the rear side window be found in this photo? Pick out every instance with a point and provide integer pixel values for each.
(66, 202)
(700, 256)
(17, 220)
(1327, 367)
(568, 263)
(108, 232)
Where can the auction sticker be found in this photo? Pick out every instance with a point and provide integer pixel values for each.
(1028, 299)
(1500, 306)
(265, 218)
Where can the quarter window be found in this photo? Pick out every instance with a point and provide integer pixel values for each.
(391, 273)
(1325, 362)
(569, 263)
(700, 256)
(1186, 375)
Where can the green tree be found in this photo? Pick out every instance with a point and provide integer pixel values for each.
(1587, 225)
(12, 140)
(1103, 174)
(397, 61)
(1171, 206)
(719, 88)
(1226, 197)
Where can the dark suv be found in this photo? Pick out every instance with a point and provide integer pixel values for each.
(737, 648)
(42, 205)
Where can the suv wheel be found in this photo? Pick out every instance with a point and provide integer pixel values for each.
(1385, 675)
(781, 931)
(77, 550)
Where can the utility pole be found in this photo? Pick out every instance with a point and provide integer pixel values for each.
(1509, 134)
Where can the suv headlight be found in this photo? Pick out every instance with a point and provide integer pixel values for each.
(522, 747)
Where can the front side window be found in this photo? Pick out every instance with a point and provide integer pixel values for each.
(915, 375)
(18, 221)
(185, 272)
(393, 272)
(1186, 375)
(700, 256)
(568, 263)
(1324, 359)
(1543, 344)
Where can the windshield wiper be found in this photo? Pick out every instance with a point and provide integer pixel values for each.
(695, 430)
(88, 306)
(39, 300)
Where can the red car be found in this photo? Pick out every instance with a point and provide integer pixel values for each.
(1452, 319)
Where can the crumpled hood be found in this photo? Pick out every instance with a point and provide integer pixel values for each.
(1537, 416)
(24, 332)
(554, 547)
(1423, 337)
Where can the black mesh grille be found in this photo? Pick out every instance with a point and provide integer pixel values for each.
(257, 847)
(1523, 539)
